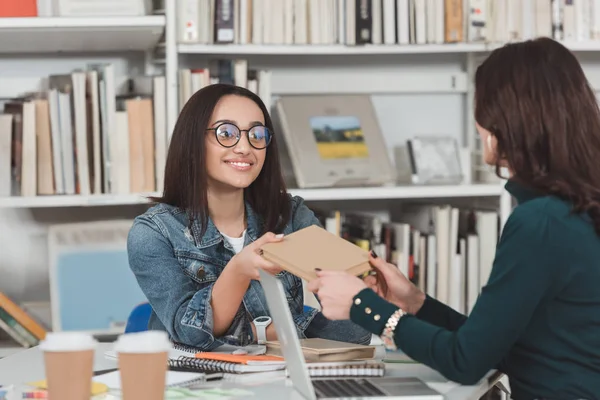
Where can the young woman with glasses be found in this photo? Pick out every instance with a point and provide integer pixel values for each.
(196, 253)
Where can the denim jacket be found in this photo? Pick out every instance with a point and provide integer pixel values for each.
(176, 269)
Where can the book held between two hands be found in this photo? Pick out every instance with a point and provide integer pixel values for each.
(299, 253)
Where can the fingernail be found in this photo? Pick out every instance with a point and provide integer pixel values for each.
(279, 236)
(373, 254)
(318, 269)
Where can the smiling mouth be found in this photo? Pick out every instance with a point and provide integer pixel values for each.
(239, 165)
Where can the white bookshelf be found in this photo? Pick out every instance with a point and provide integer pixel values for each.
(401, 192)
(337, 50)
(429, 73)
(319, 194)
(366, 50)
(60, 201)
(81, 34)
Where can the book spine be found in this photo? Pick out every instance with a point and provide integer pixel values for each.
(18, 328)
(364, 22)
(224, 21)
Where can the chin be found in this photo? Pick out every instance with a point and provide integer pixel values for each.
(242, 183)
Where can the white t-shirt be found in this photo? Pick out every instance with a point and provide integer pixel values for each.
(236, 243)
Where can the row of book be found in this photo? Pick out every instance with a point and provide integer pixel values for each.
(358, 22)
(88, 132)
(446, 251)
(91, 132)
(234, 72)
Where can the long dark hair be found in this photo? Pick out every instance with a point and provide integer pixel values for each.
(534, 98)
(185, 184)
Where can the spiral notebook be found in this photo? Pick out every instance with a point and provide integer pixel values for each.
(185, 358)
(190, 361)
(345, 369)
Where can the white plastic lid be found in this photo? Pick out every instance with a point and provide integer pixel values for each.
(143, 342)
(68, 341)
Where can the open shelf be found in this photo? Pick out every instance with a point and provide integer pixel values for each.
(343, 50)
(321, 194)
(79, 34)
(74, 200)
(400, 192)
(313, 50)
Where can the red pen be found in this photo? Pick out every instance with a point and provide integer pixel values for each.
(35, 394)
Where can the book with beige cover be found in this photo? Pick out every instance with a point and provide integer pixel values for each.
(313, 247)
(324, 350)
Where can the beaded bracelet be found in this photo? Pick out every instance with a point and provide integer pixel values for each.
(387, 336)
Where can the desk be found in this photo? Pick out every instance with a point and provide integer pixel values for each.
(28, 365)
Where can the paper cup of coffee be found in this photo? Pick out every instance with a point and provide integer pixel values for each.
(143, 364)
(69, 364)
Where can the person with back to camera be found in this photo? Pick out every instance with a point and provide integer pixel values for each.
(196, 253)
(538, 317)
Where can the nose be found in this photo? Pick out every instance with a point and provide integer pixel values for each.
(243, 145)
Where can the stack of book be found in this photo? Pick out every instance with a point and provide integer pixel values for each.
(18, 324)
(87, 132)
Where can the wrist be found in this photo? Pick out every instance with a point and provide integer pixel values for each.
(417, 301)
(237, 270)
(260, 326)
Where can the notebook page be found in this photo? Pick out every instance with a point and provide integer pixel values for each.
(174, 378)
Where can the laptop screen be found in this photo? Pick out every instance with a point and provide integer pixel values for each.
(286, 334)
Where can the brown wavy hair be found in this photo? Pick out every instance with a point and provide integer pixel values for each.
(534, 98)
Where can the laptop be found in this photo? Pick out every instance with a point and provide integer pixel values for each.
(313, 388)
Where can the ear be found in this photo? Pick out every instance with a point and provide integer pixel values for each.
(489, 142)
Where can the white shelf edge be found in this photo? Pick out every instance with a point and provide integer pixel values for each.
(40, 35)
(251, 49)
(336, 49)
(75, 200)
(400, 192)
(319, 194)
(80, 22)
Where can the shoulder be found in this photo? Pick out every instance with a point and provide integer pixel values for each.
(549, 211)
(161, 210)
(301, 215)
(547, 223)
(156, 223)
(530, 218)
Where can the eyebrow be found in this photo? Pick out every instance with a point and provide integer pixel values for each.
(228, 121)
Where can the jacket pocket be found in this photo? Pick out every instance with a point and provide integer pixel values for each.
(199, 268)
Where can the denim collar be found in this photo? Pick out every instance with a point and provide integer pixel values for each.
(212, 236)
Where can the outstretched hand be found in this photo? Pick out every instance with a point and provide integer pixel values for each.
(249, 260)
(336, 290)
(393, 286)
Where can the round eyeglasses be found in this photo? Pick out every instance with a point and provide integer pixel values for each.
(228, 135)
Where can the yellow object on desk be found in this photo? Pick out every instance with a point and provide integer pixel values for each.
(97, 388)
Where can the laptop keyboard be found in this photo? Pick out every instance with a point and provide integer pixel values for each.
(325, 388)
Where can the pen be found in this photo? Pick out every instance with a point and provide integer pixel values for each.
(104, 371)
(35, 394)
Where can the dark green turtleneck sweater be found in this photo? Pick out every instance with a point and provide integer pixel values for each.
(537, 320)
